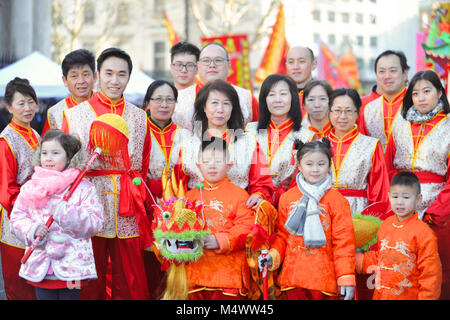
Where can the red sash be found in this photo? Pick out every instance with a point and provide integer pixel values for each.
(132, 199)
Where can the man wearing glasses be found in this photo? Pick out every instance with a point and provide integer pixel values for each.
(213, 64)
(183, 66)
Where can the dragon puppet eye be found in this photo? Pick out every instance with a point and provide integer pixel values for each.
(166, 215)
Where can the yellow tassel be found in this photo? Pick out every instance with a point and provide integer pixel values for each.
(177, 285)
(109, 132)
(166, 185)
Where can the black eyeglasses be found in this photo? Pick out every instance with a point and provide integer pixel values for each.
(161, 100)
(190, 66)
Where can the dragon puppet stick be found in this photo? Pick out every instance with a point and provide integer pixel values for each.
(107, 135)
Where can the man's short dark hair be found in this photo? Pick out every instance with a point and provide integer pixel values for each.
(399, 54)
(406, 178)
(78, 58)
(184, 47)
(114, 52)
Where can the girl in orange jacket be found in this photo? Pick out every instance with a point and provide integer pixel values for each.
(315, 239)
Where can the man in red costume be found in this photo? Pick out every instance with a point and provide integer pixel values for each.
(122, 235)
(213, 64)
(377, 117)
(300, 63)
(78, 69)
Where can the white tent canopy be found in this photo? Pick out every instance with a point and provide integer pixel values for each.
(44, 75)
(137, 86)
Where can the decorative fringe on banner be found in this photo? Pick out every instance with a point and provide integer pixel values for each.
(110, 133)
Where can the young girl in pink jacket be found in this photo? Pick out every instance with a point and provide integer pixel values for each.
(64, 259)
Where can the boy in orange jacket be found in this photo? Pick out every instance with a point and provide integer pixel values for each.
(407, 263)
(222, 272)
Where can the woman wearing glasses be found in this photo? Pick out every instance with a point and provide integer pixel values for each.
(359, 170)
(278, 127)
(159, 103)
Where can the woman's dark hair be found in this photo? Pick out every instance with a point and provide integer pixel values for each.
(152, 88)
(294, 112)
(314, 83)
(323, 146)
(430, 76)
(19, 85)
(236, 121)
(69, 143)
(352, 93)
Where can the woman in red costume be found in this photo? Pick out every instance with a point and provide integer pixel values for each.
(420, 143)
(18, 141)
(278, 127)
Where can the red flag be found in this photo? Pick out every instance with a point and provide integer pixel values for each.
(274, 59)
(331, 69)
(173, 37)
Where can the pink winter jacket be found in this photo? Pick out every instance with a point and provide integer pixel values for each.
(68, 246)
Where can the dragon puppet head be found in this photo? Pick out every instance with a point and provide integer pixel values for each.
(179, 227)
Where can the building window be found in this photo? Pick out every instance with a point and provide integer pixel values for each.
(359, 18)
(331, 39)
(360, 41)
(158, 6)
(316, 15)
(345, 17)
(159, 53)
(89, 13)
(208, 12)
(331, 16)
(373, 42)
(122, 13)
(316, 37)
(360, 63)
(373, 19)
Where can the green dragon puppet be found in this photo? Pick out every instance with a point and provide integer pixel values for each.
(179, 229)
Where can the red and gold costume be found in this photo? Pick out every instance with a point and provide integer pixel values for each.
(55, 113)
(165, 155)
(407, 262)
(423, 148)
(320, 133)
(17, 146)
(378, 116)
(225, 269)
(120, 236)
(184, 110)
(249, 170)
(277, 144)
(316, 269)
(359, 170)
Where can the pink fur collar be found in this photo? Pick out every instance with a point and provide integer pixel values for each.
(44, 182)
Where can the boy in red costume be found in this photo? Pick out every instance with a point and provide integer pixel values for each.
(407, 262)
(222, 271)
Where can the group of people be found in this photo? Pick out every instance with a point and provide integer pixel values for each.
(317, 155)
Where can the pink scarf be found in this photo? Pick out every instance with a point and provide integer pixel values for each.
(43, 183)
